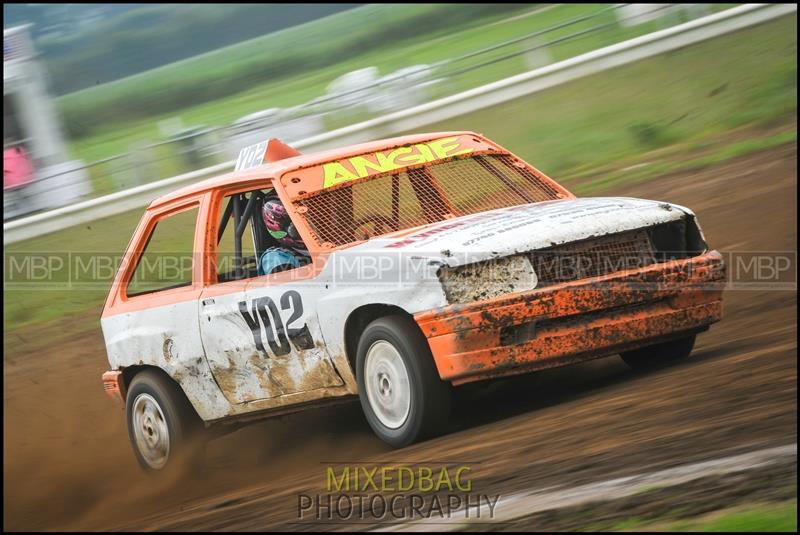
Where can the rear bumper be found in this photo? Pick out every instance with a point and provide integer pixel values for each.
(575, 321)
(114, 385)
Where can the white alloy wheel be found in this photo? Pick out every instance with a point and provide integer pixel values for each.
(401, 393)
(387, 384)
(151, 431)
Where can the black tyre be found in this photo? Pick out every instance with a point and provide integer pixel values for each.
(401, 393)
(658, 355)
(164, 430)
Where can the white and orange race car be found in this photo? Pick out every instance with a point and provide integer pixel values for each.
(429, 261)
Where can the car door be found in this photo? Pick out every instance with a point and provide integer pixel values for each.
(155, 297)
(279, 312)
(260, 335)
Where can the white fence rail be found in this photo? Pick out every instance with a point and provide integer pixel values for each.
(445, 108)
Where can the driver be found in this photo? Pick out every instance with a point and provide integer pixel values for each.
(291, 252)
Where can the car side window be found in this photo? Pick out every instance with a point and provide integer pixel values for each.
(167, 259)
(237, 240)
(243, 239)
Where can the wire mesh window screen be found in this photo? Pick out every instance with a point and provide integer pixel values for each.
(484, 183)
(400, 201)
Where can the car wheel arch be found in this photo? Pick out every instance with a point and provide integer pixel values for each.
(358, 320)
(130, 372)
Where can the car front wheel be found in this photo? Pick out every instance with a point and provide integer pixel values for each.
(402, 396)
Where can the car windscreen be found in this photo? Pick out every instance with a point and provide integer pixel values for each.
(380, 204)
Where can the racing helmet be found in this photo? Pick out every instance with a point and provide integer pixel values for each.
(279, 225)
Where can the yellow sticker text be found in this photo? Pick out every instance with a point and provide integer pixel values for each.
(383, 162)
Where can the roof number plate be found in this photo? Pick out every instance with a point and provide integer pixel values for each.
(252, 156)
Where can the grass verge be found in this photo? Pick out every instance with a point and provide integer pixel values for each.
(681, 101)
(765, 517)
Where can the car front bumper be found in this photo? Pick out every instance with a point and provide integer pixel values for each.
(575, 321)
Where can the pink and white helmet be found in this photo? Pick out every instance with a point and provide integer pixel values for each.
(279, 225)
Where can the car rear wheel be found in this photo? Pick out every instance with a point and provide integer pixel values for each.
(402, 396)
(657, 355)
(163, 428)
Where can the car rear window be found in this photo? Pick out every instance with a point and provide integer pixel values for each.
(386, 203)
(167, 259)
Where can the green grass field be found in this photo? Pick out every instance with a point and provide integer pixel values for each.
(696, 106)
(682, 98)
(114, 116)
(767, 517)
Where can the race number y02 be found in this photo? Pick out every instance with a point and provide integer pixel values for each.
(252, 156)
(263, 314)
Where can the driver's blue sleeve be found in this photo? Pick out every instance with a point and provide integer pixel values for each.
(275, 257)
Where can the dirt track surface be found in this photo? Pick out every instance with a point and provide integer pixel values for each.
(67, 462)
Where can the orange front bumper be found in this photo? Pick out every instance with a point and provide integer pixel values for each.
(575, 321)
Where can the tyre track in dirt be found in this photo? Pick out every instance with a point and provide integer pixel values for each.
(67, 463)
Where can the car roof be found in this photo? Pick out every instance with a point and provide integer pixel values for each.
(271, 170)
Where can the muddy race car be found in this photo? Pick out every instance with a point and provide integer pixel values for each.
(415, 265)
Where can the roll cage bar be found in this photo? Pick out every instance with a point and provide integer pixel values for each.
(242, 209)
